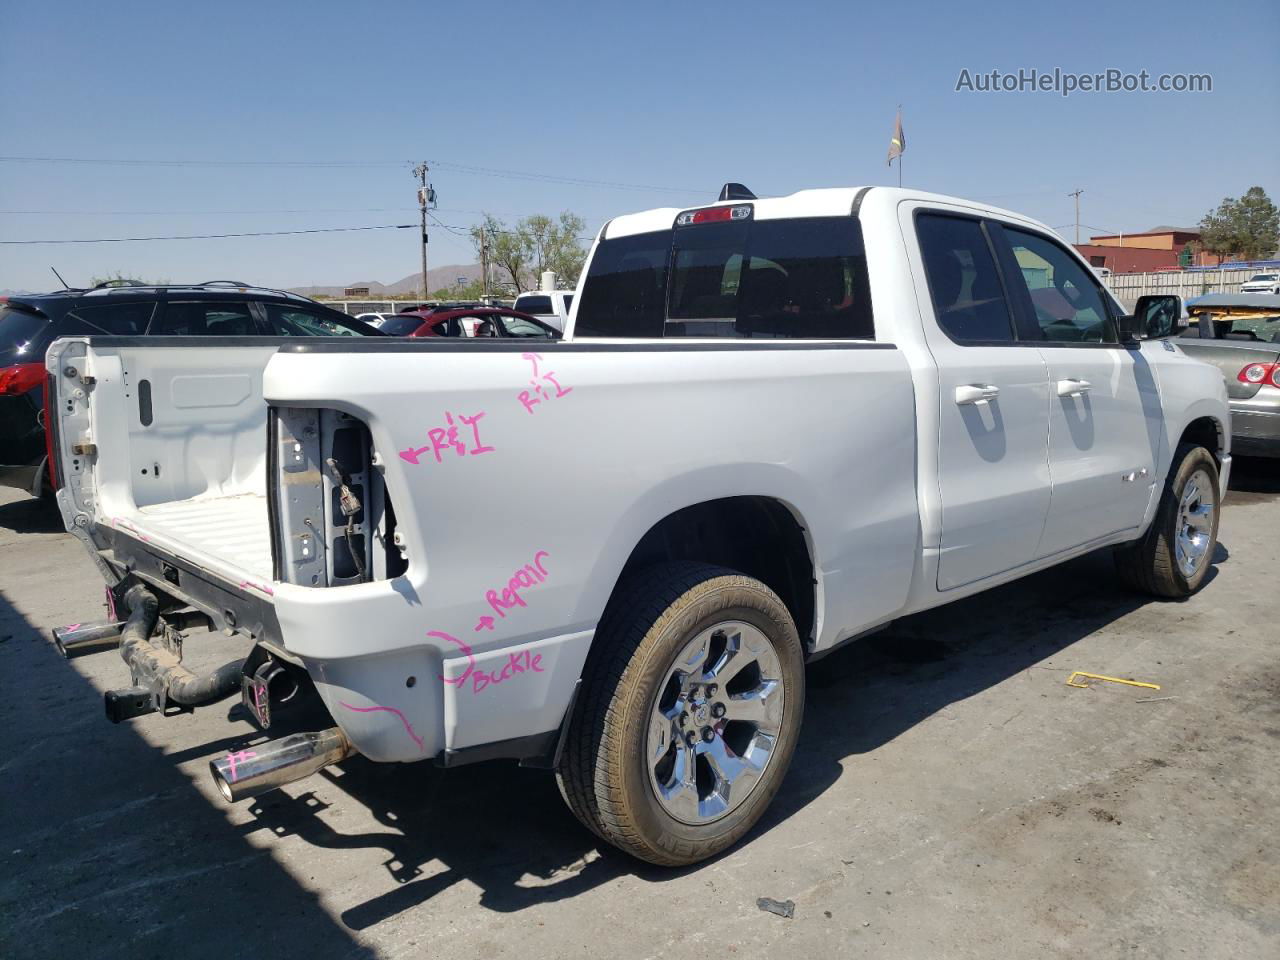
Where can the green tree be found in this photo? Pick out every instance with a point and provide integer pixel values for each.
(508, 251)
(120, 279)
(1248, 228)
(565, 252)
(519, 254)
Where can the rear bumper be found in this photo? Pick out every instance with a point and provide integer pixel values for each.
(1255, 425)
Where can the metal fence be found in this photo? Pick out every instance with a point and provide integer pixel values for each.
(1128, 287)
(353, 307)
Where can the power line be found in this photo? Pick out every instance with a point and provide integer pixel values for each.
(218, 236)
(340, 164)
(202, 213)
(150, 162)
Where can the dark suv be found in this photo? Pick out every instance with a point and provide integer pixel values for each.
(29, 323)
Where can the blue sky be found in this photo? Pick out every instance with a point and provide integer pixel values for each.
(681, 96)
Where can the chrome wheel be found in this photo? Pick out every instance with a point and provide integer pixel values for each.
(715, 722)
(1193, 537)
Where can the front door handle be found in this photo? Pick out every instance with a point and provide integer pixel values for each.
(1073, 388)
(970, 393)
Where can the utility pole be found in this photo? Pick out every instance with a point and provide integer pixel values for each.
(1076, 194)
(484, 258)
(424, 196)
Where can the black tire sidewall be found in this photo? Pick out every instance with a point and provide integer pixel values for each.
(655, 824)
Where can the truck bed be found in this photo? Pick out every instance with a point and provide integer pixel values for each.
(232, 529)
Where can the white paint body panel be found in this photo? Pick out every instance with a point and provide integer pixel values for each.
(864, 446)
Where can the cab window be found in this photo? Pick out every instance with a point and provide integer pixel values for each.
(1067, 302)
(964, 284)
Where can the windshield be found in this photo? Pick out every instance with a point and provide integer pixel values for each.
(1265, 277)
(21, 336)
(792, 278)
(401, 325)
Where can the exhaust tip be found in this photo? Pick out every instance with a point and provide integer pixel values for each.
(241, 774)
(220, 782)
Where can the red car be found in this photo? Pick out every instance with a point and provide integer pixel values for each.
(468, 322)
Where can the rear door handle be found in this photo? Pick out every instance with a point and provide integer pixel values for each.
(1073, 388)
(970, 393)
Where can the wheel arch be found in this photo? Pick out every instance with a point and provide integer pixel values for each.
(1206, 431)
(762, 537)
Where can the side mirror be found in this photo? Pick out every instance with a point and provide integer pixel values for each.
(1155, 317)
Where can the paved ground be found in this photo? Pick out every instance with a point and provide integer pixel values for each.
(951, 797)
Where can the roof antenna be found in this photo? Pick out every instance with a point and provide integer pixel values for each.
(59, 276)
(735, 191)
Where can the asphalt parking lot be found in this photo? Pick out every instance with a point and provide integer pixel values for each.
(951, 797)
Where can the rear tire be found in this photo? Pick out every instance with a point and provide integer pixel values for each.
(1173, 557)
(682, 734)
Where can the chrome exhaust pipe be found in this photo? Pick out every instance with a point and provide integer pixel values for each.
(255, 770)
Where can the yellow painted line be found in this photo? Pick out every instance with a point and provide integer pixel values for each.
(1071, 681)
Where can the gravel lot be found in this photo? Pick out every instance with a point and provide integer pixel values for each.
(951, 797)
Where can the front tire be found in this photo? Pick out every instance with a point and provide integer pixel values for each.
(689, 714)
(1172, 559)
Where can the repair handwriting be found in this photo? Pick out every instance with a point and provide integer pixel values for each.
(450, 437)
(539, 392)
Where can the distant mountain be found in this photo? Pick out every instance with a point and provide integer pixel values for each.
(437, 278)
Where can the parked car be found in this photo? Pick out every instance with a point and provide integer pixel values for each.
(29, 323)
(1262, 283)
(550, 306)
(1240, 334)
(469, 322)
(773, 427)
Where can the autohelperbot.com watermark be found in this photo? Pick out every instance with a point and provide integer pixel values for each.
(1065, 82)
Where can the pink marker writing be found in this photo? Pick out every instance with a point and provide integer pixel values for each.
(408, 727)
(471, 661)
(239, 756)
(539, 392)
(517, 663)
(530, 575)
(448, 438)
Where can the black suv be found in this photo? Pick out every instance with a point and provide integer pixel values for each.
(29, 323)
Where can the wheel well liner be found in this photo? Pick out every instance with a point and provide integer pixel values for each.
(1205, 432)
(757, 536)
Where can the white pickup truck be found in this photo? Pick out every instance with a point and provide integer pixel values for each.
(551, 306)
(773, 426)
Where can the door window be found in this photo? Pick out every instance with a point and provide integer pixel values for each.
(119, 319)
(1067, 302)
(964, 284)
(206, 318)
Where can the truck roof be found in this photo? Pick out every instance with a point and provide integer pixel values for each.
(818, 202)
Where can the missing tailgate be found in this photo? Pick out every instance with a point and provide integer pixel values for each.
(331, 518)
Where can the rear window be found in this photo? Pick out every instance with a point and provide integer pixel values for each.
(401, 325)
(20, 334)
(800, 278)
(625, 290)
(535, 305)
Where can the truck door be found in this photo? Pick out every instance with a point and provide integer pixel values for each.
(1104, 405)
(993, 473)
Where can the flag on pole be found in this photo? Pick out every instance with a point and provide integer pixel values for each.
(898, 142)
